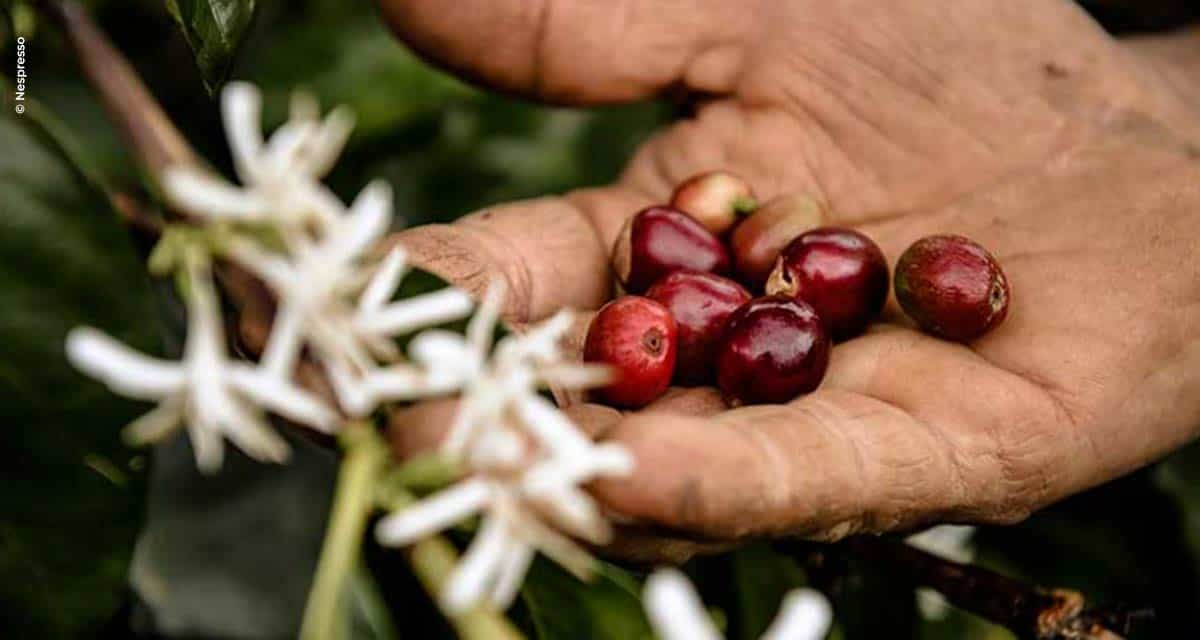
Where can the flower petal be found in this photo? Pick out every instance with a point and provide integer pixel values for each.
(122, 369)
(511, 574)
(283, 397)
(385, 281)
(542, 343)
(370, 217)
(804, 615)
(950, 541)
(550, 426)
(482, 327)
(674, 608)
(203, 194)
(316, 199)
(207, 446)
(155, 424)
(303, 105)
(498, 448)
(439, 349)
(408, 315)
(400, 382)
(276, 271)
(284, 343)
(280, 159)
(247, 430)
(352, 394)
(467, 422)
(480, 566)
(556, 546)
(574, 512)
(570, 375)
(327, 144)
(241, 112)
(435, 513)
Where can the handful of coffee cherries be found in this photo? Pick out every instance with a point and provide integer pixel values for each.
(688, 316)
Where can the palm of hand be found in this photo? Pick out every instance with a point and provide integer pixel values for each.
(1038, 139)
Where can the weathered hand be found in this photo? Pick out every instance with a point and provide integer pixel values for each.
(1018, 123)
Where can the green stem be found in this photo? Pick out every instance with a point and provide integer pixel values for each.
(353, 501)
(359, 490)
(745, 206)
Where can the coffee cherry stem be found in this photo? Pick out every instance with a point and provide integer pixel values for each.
(745, 206)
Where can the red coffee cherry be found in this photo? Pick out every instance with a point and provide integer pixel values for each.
(701, 304)
(637, 338)
(952, 287)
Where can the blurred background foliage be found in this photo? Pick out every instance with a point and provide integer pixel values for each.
(93, 541)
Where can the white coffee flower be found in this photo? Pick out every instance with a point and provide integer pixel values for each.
(205, 391)
(279, 178)
(316, 283)
(526, 458)
(502, 388)
(676, 612)
(524, 511)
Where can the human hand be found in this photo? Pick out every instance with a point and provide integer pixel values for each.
(1019, 124)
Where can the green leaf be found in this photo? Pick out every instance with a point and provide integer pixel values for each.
(232, 555)
(1179, 477)
(73, 492)
(561, 607)
(761, 577)
(214, 29)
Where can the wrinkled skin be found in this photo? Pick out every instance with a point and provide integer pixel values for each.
(1018, 123)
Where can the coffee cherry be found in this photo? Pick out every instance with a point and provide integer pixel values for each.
(774, 349)
(715, 199)
(637, 338)
(659, 240)
(701, 304)
(840, 272)
(952, 287)
(757, 240)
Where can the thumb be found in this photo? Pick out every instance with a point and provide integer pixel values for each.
(552, 252)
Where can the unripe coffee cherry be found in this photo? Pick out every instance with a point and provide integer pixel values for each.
(774, 349)
(701, 304)
(952, 287)
(636, 337)
(715, 199)
(840, 272)
(757, 240)
(659, 240)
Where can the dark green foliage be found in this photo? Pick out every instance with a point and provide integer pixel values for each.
(71, 503)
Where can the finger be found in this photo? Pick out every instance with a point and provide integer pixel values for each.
(881, 446)
(647, 546)
(419, 428)
(553, 252)
(579, 52)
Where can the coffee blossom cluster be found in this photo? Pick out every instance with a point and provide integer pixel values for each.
(336, 311)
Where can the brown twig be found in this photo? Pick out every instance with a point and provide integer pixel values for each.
(1031, 612)
(137, 116)
(136, 216)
